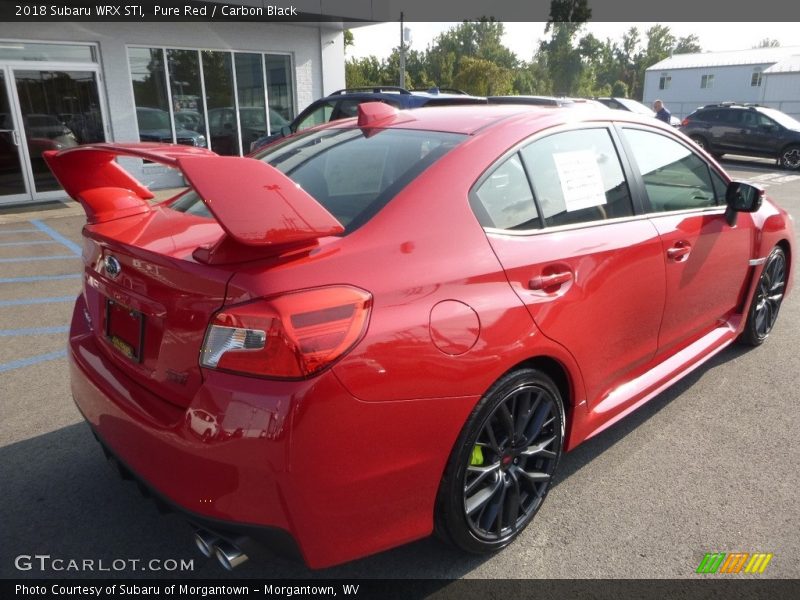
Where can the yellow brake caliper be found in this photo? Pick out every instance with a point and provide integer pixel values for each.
(476, 460)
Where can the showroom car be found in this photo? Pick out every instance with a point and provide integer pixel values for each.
(745, 129)
(396, 324)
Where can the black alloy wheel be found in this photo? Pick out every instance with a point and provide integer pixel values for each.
(790, 158)
(767, 299)
(502, 466)
(700, 141)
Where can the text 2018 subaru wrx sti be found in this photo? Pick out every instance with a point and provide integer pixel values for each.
(395, 324)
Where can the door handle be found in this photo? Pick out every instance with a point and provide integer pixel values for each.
(544, 282)
(679, 251)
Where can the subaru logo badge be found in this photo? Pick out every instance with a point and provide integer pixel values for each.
(112, 266)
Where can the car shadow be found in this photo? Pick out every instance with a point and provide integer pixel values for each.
(64, 500)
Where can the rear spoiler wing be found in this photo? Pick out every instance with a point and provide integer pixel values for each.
(255, 204)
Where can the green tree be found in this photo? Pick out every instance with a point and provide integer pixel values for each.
(481, 77)
(688, 45)
(619, 89)
(470, 39)
(564, 61)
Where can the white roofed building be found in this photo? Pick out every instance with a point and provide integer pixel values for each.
(766, 76)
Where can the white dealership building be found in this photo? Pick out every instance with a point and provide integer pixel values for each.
(217, 84)
(766, 76)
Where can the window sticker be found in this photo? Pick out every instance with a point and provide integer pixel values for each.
(581, 182)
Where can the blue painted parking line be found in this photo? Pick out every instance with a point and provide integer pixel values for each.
(25, 301)
(34, 243)
(33, 331)
(33, 360)
(18, 230)
(39, 278)
(33, 258)
(75, 248)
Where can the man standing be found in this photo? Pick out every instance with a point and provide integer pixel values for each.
(662, 114)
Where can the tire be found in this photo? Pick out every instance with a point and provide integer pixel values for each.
(790, 158)
(767, 299)
(700, 141)
(495, 482)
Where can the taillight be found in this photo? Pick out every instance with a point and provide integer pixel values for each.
(685, 122)
(290, 336)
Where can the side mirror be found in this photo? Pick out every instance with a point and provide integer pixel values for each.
(742, 197)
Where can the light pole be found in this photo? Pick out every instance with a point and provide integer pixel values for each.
(402, 53)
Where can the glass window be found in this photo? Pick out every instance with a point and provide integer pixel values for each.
(675, 177)
(177, 91)
(752, 118)
(706, 81)
(47, 52)
(720, 186)
(150, 94)
(731, 117)
(220, 101)
(505, 200)
(252, 103)
(279, 85)
(348, 108)
(321, 114)
(664, 82)
(711, 115)
(353, 176)
(755, 79)
(577, 177)
(187, 97)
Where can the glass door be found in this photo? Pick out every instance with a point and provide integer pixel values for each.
(13, 174)
(59, 109)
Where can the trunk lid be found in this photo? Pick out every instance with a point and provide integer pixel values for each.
(149, 302)
(154, 274)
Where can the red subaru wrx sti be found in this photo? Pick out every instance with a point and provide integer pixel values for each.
(396, 324)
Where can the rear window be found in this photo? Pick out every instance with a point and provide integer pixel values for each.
(351, 173)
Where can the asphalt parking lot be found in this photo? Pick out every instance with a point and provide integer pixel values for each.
(708, 466)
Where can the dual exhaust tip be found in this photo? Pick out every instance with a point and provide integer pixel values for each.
(228, 554)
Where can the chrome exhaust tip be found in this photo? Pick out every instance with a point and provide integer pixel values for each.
(205, 542)
(228, 555)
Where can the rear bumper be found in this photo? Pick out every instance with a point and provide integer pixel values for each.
(269, 459)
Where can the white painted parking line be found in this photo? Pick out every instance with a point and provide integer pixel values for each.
(33, 243)
(44, 228)
(33, 360)
(26, 301)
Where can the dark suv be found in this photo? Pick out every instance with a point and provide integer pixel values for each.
(344, 103)
(746, 129)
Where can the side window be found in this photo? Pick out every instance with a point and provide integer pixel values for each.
(731, 117)
(720, 186)
(577, 177)
(675, 177)
(321, 114)
(348, 108)
(713, 116)
(764, 121)
(504, 199)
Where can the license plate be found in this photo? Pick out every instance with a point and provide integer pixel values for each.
(125, 329)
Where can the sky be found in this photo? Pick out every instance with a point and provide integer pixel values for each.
(522, 38)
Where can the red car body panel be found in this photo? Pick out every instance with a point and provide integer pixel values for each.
(349, 461)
